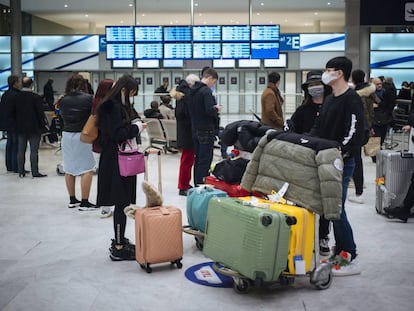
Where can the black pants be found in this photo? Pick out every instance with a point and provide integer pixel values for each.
(358, 175)
(409, 197)
(119, 224)
(34, 141)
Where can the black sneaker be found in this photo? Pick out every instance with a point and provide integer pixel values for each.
(122, 252)
(74, 203)
(87, 206)
(324, 247)
(397, 212)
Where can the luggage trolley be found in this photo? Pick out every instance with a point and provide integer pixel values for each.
(309, 264)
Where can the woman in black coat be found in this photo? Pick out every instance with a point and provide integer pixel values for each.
(116, 125)
(184, 132)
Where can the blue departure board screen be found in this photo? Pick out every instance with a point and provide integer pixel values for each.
(119, 51)
(148, 51)
(235, 33)
(178, 51)
(206, 50)
(265, 50)
(148, 33)
(235, 50)
(206, 33)
(119, 33)
(265, 33)
(177, 34)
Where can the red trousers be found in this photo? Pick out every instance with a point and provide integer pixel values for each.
(186, 165)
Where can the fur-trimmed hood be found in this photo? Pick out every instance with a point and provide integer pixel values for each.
(177, 95)
(367, 90)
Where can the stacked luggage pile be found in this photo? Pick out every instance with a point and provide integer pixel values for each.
(257, 241)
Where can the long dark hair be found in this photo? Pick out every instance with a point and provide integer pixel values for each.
(127, 83)
(76, 82)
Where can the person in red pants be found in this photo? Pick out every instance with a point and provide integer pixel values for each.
(184, 133)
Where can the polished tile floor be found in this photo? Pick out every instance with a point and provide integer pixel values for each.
(55, 258)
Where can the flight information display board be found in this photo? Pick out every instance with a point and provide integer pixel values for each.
(177, 34)
(149, 51)
(119, 33)
(235, 50)
(265, 33)
(206, 33)
(235, 33)
(178, 51)
(262, 50)
(206, 50)
(119, 51)
(148, 33)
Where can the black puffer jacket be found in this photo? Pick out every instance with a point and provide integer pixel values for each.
(75, 109)
(182, 115)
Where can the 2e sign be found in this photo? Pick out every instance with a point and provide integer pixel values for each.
(290, 42)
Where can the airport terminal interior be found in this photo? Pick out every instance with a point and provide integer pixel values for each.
(55, 258)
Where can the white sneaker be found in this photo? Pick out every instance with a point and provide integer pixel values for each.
(356, 199)
(324, 247)
(88, 208)
(106, 212)
(346, 269)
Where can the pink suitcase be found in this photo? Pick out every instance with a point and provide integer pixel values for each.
(158, 236)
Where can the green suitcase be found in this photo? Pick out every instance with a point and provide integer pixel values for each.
(249, 240)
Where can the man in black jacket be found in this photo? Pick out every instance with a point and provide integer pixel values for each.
(342, 120)
(7, 124)
(27, 113)
(204, 120)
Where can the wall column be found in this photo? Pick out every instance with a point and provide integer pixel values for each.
(16, 37)
(357, 42)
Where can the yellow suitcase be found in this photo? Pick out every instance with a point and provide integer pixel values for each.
(302, 235)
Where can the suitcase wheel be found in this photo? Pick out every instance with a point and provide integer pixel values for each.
(286, 280)
(199, 242)
(321, 277)
(177, 263)
(146, 267)
(241, 285)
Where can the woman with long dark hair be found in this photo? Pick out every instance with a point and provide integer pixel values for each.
(117, 124)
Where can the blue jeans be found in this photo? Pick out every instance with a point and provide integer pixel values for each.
(344, 237)
(203, 149)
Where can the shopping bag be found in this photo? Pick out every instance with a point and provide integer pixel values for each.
(372, 146)
(130, 161)
(89, 131)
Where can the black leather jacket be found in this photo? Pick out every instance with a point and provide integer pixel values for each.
(75, 109)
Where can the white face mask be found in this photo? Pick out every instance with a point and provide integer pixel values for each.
(328, 77)
(316, 90)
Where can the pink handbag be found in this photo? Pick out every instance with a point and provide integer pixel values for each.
(130, 161)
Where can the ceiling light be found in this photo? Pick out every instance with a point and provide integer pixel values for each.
(143, 14)
(200, 14)
(257, 14)
(316, 13)
(65, 6)
(328, 3)
(195, 4)
(131, 5)
(121, 22)
(261, 3)
(86, 15)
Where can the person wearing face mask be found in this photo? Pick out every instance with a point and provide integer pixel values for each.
(341, 119)
(272, 114)
(75, 108)
(315, 91)
(117, 123)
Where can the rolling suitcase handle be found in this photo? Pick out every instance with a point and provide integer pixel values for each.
(405, 153)
(146, 155)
